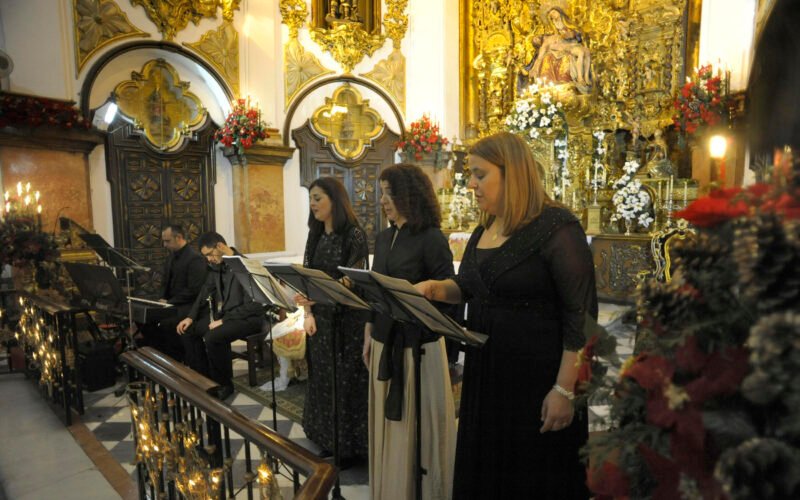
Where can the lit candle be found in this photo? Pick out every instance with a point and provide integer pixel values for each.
(6, 196)
(19, 189)
(27, 200)
(8, 206)
(28, 187)
(36, 196)
(38, 209)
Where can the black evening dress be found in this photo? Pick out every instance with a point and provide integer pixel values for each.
(530, 296)
(326, 253)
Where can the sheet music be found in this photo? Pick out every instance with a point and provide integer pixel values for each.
(420, 307)
(270, 288)
(317, 285)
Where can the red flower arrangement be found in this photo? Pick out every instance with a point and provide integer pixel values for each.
(27, 111)
(422, 136)
(243, 127)
(701, 101)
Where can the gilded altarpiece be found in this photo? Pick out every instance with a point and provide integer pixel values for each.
(150, 188)
(615, 65)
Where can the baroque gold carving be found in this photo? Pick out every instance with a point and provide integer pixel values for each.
(293, 15)
(173, 16)
(390, 74)
(396, 21)
(98, 23)
(300, 68)
(347, 122)
(635, 51)
(348, 43)
(221, 48)
(160, 103)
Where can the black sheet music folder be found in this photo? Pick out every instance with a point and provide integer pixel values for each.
(399, 299)
(257, 281)
(316, 285)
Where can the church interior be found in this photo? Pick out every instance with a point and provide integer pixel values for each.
(665, 127)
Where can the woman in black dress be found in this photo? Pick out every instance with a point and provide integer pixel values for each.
(528, 280)
(335, 239)
(414, 249)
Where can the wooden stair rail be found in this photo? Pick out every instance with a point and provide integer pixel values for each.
(193, 387)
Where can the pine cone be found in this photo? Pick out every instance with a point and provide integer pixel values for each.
(774, 344)
(760, 468)
(766, 253)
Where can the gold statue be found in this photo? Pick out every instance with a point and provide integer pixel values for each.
(562, 56)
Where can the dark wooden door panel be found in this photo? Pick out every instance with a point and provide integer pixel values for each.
(150, 188)
(359, 177)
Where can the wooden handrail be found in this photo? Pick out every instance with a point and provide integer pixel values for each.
(177, 368)
(320, 474)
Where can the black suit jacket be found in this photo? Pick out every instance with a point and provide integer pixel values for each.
(234, 300)
(184, 274)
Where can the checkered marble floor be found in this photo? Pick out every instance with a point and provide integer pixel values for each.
(108, 417)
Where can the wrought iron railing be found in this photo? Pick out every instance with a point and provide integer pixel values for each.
(183, 440)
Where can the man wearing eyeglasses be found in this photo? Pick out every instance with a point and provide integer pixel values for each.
(233, 315)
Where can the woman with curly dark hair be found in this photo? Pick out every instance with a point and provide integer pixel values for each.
(335, 238)
(412, 248)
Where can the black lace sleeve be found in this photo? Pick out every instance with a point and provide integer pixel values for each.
(572, 270)
(356, 251)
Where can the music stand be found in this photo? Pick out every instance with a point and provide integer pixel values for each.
(266, 290)
(398, 299)
(115, 258)
(322, 289)
(97, 285)
(111, 255)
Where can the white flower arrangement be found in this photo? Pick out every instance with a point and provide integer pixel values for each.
(630, 200)
(460, 203)
(535, 113)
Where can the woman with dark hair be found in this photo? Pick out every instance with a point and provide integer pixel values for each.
(412, 248)
(528, 280)
(335, 238)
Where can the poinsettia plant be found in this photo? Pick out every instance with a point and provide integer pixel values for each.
(707, 407)
(243, 127)
(422, 136)
(701, 102)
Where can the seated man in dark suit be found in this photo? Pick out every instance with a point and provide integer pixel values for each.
(183, 277)
(233, 316)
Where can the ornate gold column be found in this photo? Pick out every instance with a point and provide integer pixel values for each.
(258, 196)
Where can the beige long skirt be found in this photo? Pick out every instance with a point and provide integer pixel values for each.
(392, 452)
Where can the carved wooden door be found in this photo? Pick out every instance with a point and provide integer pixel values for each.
(359, 177)
(150, 188)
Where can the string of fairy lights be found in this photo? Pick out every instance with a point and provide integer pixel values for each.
(174, 455)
